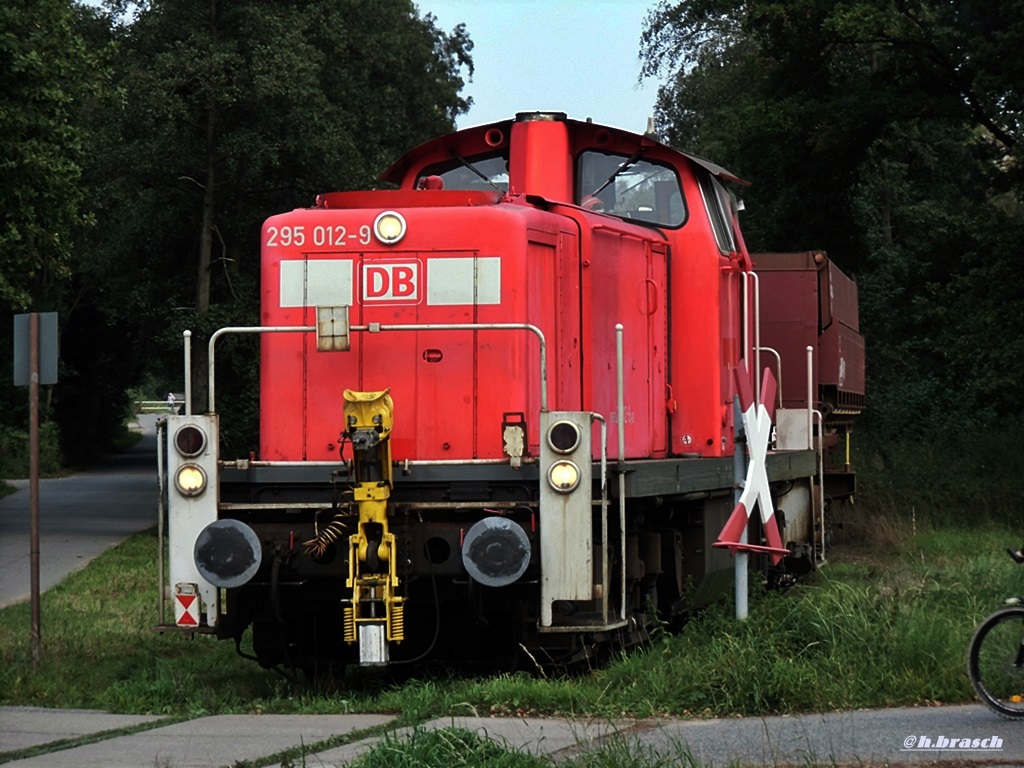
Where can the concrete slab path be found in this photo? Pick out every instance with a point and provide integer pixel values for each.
(961, 736)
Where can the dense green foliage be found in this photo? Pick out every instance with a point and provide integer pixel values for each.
(145, 143)
(47, 70)
(885, 132)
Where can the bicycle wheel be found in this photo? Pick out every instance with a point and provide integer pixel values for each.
(995, 662)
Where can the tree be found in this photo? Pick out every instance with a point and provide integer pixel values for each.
(886, 132)
(45, 71)
(246, 106)
(231, 111)
(793, 94)
(939, 283)
(48, 71)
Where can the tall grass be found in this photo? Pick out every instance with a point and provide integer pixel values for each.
(884, 624)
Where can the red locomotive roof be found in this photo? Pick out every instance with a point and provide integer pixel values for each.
(482, 138)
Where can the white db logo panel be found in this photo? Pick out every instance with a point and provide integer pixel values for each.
(397, 281)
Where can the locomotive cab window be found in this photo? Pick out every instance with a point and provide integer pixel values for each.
(719, 205)
(481, 173)
(630, 188)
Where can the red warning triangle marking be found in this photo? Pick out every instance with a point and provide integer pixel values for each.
(186, 618)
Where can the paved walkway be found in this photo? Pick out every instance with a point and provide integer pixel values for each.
(966, 735)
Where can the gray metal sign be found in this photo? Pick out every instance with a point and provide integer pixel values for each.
(47, 349)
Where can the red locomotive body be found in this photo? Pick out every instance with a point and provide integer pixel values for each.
(496, 410)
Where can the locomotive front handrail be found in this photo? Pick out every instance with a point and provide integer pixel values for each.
(242, 329)
(376, 328)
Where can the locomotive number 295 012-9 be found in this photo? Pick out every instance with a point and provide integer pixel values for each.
(336, 236)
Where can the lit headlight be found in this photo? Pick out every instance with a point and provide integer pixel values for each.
(564, 476)
(191, 480)
(389, 227)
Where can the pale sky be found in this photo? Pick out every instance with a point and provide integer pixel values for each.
(580, 57)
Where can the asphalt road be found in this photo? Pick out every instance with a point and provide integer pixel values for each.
(79, 516)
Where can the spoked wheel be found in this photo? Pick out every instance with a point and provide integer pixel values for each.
(995, 662)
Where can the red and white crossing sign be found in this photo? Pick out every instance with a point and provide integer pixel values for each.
(757, 422)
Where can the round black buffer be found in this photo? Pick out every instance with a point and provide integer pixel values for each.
(496, 551)
(227, 553)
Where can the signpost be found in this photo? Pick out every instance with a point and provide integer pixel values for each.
(35, 363)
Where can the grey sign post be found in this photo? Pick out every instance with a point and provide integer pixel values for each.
(35, 363)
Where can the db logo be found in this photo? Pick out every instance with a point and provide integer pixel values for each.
(391, 282)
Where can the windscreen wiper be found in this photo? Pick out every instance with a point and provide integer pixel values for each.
(632, 159)
(475, 170)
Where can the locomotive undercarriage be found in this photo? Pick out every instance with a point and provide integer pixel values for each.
(295, 602)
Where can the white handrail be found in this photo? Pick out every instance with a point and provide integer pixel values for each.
(376, 328)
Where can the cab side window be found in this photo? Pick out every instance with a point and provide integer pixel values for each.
(719, 206)
(630, 188)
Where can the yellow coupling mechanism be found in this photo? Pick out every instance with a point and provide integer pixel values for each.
(374, 614)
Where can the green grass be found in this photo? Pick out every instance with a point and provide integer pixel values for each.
(883, 624)
(453, 747)
(457, 747)
(99, 650)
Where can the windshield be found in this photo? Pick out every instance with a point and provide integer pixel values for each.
(474, 173)
(630, 188)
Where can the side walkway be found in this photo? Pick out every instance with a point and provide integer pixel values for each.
(80, 516)
(964, 735)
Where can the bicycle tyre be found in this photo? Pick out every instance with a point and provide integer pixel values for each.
(995, 662)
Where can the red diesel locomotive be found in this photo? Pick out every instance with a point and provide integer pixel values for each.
(498, 409)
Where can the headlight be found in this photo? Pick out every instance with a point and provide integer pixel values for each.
(190, 440)
(191, 479)
(564, 476)
(564, 437)
(389, 227)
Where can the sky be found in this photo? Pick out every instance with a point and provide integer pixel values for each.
(571, 56)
